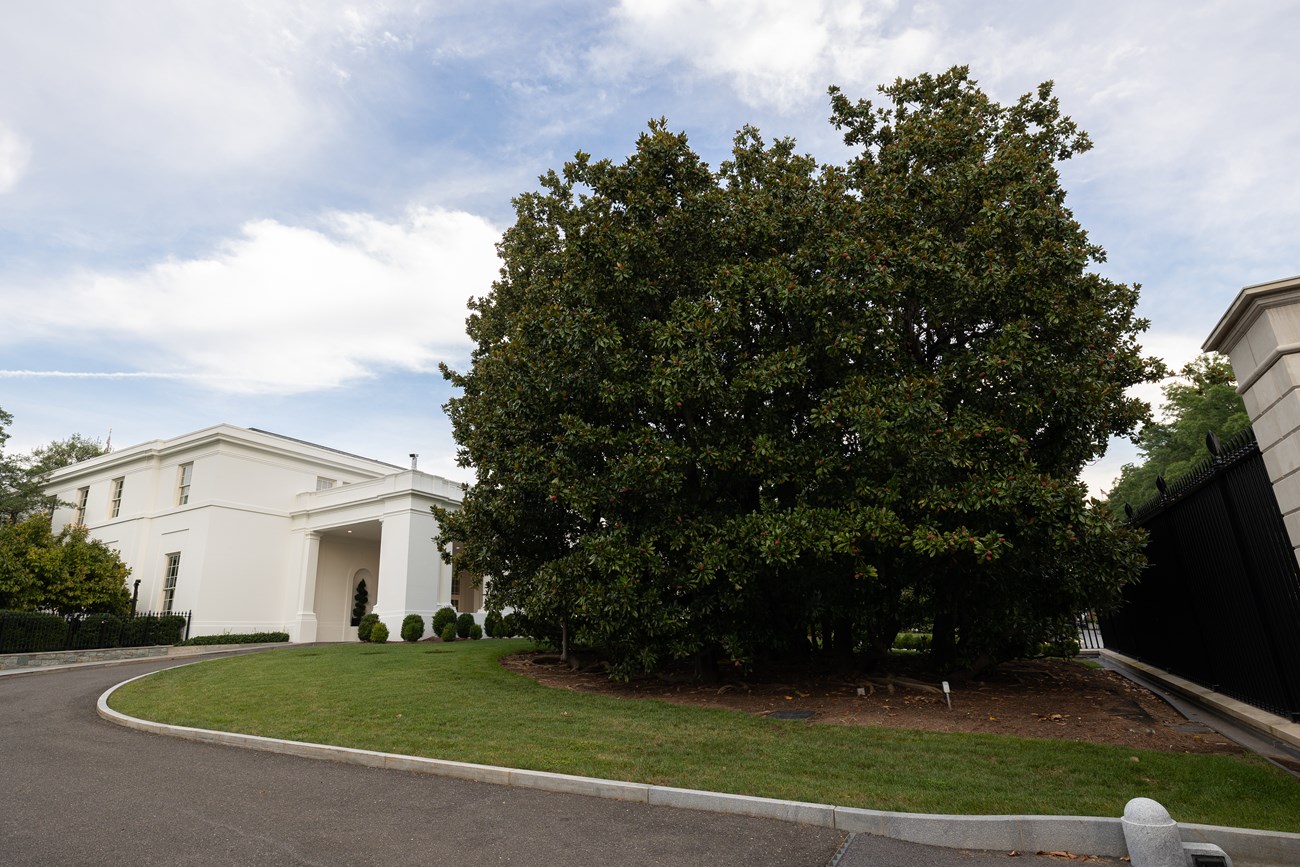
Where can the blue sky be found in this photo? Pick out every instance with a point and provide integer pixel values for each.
(272, 213)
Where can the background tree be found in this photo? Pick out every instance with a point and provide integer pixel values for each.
(67, 572)
(777, 410)
(23, 477)
(64, 453)
(1203, 399)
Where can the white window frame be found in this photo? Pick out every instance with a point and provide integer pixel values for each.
(324, 484)
(185, 473)
(171, 573)
(83, 499)
(115, 496)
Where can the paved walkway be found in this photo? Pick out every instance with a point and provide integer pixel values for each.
(76, 789)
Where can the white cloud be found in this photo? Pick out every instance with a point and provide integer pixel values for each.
(772, 52)
(285, 309)
(14, 156)
(201, 86)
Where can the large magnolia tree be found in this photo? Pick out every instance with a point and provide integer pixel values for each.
(779, 409)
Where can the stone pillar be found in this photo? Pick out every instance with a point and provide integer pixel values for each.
(408, 568)
(1260, 333)
(305, 631)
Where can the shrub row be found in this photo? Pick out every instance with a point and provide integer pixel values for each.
(236, 638)
(36, 632)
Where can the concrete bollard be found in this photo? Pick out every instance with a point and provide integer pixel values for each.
(1151, 835)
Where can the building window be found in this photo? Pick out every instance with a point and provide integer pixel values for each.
(183, 484)
(83, 497)
(115, 501)
(169, 581)
(324, 484)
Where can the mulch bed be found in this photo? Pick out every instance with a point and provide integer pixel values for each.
(1047, 698)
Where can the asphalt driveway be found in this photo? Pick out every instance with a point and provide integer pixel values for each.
(75, 789)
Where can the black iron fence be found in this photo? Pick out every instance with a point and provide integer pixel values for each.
(1089, 631)
(36, 632)
(1219, 601)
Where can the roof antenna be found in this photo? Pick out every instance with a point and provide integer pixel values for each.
(108, 443)
(415, 459)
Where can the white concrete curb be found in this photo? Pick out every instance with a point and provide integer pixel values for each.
(1078, 834)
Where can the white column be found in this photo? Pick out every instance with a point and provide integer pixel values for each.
(408, 568)
(1260, 333)
(305, 621)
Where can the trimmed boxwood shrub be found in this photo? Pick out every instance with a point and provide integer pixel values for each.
(379, 634)
(509, 626)
(463, 623)
(491, 622)
(449, 632)
(442, 617)
(366, 626)
(475, 632)
(412, 627)
(236, 638)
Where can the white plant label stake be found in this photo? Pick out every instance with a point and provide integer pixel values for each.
(947, 695)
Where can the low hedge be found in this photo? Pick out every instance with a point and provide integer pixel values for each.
(39, 632)
(237, 638)
(32, 632)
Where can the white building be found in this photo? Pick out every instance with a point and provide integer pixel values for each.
(255, 532)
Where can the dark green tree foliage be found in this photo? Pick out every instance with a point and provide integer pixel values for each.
(1203, 399)
(775, 409)
(67, 572)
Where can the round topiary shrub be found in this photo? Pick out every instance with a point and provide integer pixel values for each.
(379, 634)
(412, 627)
(449, 632)
(463, 623)
(490, 624)
(366, 627)
(509, 626)
(475, 632)
(442, 617)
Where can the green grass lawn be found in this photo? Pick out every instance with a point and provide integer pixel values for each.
(453, 701)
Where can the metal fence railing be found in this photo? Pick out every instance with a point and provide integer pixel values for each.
(36, 632)
(1219, 601)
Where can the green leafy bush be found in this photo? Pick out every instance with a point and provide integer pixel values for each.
(449, 632)
(1065, 648)
(463, 623)
(912, 641)
(475, 632)
(366, 627)
(379, 634)
(491, 622)
(442, 617)
(236, 638)
(509, 626)
(97, 630)
(31, 632)
(412, 627)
